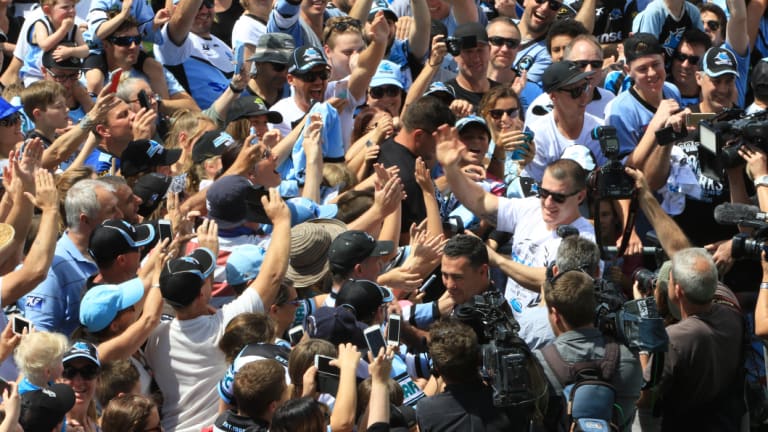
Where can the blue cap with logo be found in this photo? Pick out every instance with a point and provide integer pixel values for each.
(305, 58)
(102, 303)
(303, 209)
(388, 73)
(244, 263)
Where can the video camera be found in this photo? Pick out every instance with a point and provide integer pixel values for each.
(743, 245)
(610, 181)
(724, 134)
(507, 360)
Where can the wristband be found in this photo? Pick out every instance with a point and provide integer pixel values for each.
(155, 286)
(236, 90)
(764, 285)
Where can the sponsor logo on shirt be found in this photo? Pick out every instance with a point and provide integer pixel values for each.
(34, 302)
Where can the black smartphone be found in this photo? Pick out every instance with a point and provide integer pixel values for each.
(327, 376)
(374, 339)
(164, 230)
(20, 323)
(144, 99)
(4, 385)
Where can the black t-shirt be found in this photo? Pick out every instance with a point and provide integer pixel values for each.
(394, 154)
(463, 407)
(223, 22)
(613, 19)
(462, 93)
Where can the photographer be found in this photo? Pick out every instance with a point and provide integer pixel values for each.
(571, 305)
(707, 342)
(466, 403)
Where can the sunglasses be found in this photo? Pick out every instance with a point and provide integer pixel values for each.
(267, 154)
(11, 120)
(125, 41)
(692, 59)
(278, 67)
(553, 4)
(712, 25)
(388, 90)
(87, 372)
(508, 42)
(575, 92)
(312, 76)
(557, 197)
(63, 78)
(497, 114)
(343, 25)
(596, 64)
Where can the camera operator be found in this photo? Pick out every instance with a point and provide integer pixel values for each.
(574, 253)
(532, 221)
(571, 306)
(707, 342)
(466, 403)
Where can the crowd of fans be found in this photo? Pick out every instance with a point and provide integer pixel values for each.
(204, 199)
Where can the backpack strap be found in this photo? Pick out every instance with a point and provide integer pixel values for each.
(567, 373)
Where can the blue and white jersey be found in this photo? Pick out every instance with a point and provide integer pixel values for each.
(630, 115)
(284, 18)
(202, 65)
(25, 33)
(399, 54)
(534, 58)
(403, 8)
(249, 354)
(33, 57)
(657, 20)
(742, 65)
(141, 11)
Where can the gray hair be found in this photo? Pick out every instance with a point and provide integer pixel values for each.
(126, 87)
(576, 252)
(81, 199)
(586, 38)
(695, 271)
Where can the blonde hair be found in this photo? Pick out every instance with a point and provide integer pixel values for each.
(39, 351)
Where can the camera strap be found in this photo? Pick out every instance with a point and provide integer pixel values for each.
(633, 204)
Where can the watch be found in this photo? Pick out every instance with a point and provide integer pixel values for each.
(761, 181)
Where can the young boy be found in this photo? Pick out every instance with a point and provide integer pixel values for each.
(259, 388)
(45, 103)
(39, 359)
(56, 30)
(107, 17)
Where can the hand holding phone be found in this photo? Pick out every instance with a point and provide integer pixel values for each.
(164, 230)
(20, 323)
(295, 334)
(374, 339)
(327, 378)
(393, 330)
(115, 81)
(144, 100)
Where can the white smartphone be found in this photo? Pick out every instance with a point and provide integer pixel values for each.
(20, 323)
(295, 334)
(164, 230)
(393, 330)
(374, 339)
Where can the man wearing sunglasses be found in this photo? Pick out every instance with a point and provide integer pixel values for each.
(534, 25)
(200, 61)
(568, 124)
(269, 73)
(685, 63)
(532, 221)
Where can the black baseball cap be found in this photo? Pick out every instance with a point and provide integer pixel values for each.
(640, 45)
(45, 408)
(759, 77)
(305, 58)
(115, 237)
(337, 325)
(471, 29)
(562, 74)
(182, 278)
(143, 155)
(718, 61)
(210, 144)
(248, 106)
(363, 297)
(69, 63)
(352, 247)
(152, 189)
(232, 200)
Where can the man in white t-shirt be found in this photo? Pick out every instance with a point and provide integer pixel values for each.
(183, 353)
(532, 221)
(568, 124)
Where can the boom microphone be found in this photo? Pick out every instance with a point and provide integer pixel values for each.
(740, 214)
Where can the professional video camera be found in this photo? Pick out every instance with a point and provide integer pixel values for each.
(634, 323)
(745, 245)
(610, 181)
(724, 134)
(507, 360)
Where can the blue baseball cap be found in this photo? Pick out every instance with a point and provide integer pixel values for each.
(243, 263)
(440, 90)
(388, 73)
(382, 5)
(7, 109)
(304, 209)
(102, 303)
(470, 120)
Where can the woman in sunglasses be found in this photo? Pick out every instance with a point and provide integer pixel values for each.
(386, 89)
(502, 112)
(81, 371)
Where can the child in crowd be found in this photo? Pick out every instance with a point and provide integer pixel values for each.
(117, 378)
(45, 103)
(39, 358)
(56, 30)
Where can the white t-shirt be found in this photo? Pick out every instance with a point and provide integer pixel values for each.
(532, 243)
(247, 30)
(188, 364)
(550, 143)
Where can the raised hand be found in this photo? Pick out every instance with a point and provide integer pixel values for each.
(46, 196)
(450, 151)
(275, 207)
(208, 236)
